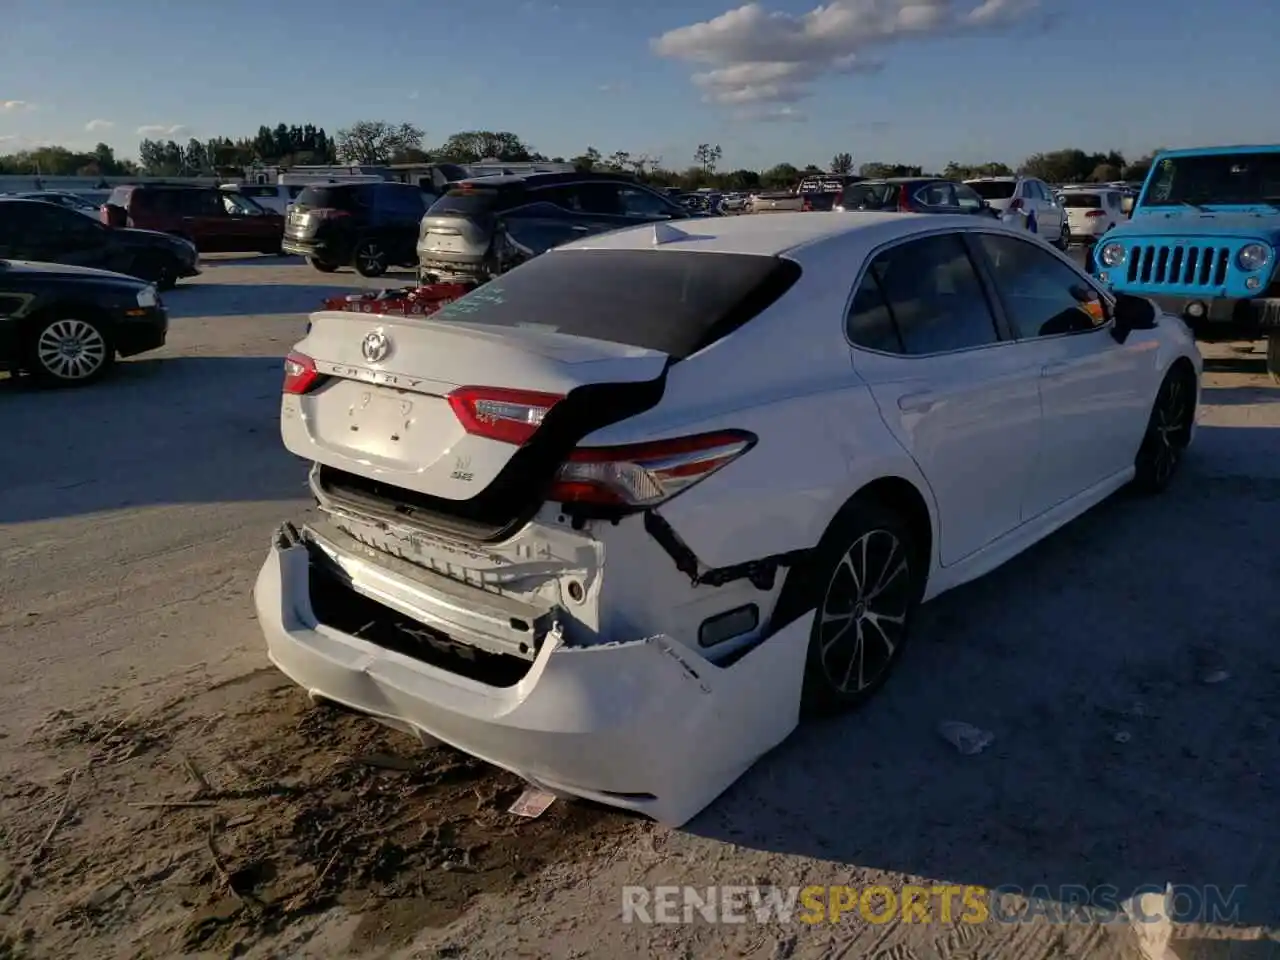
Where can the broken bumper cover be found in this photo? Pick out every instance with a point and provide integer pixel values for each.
(647, 725)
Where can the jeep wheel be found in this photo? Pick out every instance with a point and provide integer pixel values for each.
(324, 266)
(1064, 238)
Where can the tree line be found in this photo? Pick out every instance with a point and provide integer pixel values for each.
(376, 142)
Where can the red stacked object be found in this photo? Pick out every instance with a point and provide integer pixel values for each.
(405, 302)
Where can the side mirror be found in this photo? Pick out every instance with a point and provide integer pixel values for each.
(1132, 313)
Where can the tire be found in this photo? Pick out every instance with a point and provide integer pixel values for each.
(324, 266)
(1064, 238)
(856, 619)
(70, 349)
(371, 259)
(1168, 433)
(165, 275)
(1273, 355)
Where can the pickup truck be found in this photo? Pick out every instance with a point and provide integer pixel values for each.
(811, 193)
(1203, 243)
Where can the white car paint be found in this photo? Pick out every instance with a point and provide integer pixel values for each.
(1002, 443)
(1024, 202)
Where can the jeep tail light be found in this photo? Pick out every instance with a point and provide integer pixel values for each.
(806, 205)
(1015, 203)
(509, 416)
(300, 374)
(645, 474)
(1096, 213)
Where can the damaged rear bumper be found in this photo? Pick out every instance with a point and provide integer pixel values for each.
(647, 725)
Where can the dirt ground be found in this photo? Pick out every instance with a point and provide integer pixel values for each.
(165, 793)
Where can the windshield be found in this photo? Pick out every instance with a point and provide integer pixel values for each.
(870, 196)
(238, 204)
(993, 189)
(1222, 178)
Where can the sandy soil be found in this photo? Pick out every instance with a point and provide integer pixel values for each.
(164, 793)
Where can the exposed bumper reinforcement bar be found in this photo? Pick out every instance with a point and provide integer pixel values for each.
(647, 725)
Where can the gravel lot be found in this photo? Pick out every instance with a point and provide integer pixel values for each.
(136, 514)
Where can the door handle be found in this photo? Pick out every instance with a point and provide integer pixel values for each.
(917, 402)
(1057, 366)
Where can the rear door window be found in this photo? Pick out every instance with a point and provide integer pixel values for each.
(346, 198)
(406, 202)
(936, 194)
(673, 301)
(994, 189)
(934, 296)
(477, 201)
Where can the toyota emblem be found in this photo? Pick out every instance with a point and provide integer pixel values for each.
(375, 346)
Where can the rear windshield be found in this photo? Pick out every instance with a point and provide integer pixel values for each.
(1081, 201)
(119, 196)
(994, 189)
(668, 300)
(474, 202)
(870, 196)
(331, 198)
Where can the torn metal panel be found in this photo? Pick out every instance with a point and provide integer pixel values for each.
(648, 725)
(762, 572)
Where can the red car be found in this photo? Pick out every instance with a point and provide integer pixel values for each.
(216, 221)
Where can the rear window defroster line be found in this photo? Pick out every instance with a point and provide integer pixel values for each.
(762, 572)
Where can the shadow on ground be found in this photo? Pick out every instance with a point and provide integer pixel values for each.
(197, 300)
(1129, 670)
(158, 431)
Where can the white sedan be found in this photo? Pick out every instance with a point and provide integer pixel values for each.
(614, 520)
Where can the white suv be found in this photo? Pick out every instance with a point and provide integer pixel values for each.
(1092, 211)
(1028, 203)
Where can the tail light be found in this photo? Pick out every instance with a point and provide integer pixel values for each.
(644, 474)
(1015, 204)
(904, 200)
(806, 205)
(508, 416)
(1096, 213)
(300, 374)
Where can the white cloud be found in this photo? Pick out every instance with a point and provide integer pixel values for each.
(771, 114)
(93, 126)
(14, 106)
(755, 55)
(161, 130)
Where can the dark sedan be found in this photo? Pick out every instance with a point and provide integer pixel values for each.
(36, 230)
(66, 325)
(914, 195)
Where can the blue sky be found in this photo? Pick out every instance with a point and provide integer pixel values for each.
(925, 84)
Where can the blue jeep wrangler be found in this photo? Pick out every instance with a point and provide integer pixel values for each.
(1203, 243)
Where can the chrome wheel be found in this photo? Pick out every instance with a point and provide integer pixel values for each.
(71, 349)
(863, 616)
(371, 260)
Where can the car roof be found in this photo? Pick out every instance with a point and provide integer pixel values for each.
(1101, 188)
(546, 179)
(995, 179)
(1212, 151)
(767, 235)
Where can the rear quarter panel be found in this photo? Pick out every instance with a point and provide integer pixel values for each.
(788, 378)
